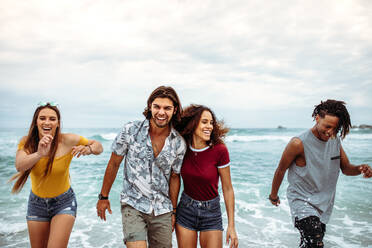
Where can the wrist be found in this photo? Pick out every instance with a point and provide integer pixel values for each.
(90, 149)
(38, 155)
(174, 211)
(102, 197)
(273, 198)
(231, 225)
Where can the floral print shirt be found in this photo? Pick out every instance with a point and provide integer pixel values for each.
(146, 178)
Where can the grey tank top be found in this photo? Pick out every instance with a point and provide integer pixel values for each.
(312, 188)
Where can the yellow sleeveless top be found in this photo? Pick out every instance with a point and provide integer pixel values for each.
(57, 181)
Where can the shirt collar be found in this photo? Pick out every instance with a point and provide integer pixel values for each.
(146, 126)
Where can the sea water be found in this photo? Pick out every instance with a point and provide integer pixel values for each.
(254, 155)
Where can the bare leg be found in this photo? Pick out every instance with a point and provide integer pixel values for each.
(39, 233)
(136, 244)
(60, 230)
(211, 239)
(186, 238)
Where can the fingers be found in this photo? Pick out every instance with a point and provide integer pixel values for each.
(102, 205)
(275, 203)
(45, 140)
(44, 145)
(366, 170)
(231, 236)
(173, 222)
(235, 243)
(77, 151)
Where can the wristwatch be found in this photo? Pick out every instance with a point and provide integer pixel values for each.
(101, 197)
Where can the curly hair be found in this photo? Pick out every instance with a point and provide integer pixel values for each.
(190, 121)
(335, 108)
(165, 92)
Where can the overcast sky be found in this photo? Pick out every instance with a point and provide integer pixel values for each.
(255, 63)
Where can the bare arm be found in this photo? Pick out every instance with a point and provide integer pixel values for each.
(353, 170)
(228, 195)
(93, 146)
(174, 189)
(109, 178)
(292, 150)
(25, 161)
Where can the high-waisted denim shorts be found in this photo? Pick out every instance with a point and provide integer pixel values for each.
(199, 215)
(44, 209)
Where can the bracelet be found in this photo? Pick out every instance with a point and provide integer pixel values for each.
(273, 200)
(90, 148)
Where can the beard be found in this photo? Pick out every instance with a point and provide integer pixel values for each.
(161, 124)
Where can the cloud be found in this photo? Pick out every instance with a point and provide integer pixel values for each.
(236, 56)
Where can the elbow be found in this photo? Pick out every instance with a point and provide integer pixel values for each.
(18, 167)
(280, 172)
(228, 190)
(99, 148)
(174, 178)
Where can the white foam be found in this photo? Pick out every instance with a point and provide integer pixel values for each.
(109, 136)
(359, 136)
(12, 227)
(251, 138)
(339, 241)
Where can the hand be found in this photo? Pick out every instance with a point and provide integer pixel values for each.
(366, 170)
(173, 221)
(102, 205)
(231, 235)
(81, 150)
(44, 145)
(274, 200)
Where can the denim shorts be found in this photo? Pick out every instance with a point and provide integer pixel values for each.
(199, 215)
(44, 209)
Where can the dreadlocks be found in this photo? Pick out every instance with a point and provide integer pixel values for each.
(335, 108)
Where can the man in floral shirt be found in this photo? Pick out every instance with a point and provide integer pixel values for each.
(153, 152)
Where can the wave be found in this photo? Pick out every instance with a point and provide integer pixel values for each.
(252, 138)
(359, 136)
(104, 137)
(255, 138)
(245, 138)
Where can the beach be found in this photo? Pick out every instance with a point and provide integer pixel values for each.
(254, 155)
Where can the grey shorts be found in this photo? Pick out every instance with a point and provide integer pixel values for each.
(44, 209)
(137, 226)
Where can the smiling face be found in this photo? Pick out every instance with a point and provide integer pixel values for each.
(162, 110)
(325, 127)
(47, 122)
(203, 131)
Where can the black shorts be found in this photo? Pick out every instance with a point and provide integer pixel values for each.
(312, 231)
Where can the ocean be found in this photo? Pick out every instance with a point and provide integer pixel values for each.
(254, 155)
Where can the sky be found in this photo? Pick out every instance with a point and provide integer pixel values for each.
(255, 63)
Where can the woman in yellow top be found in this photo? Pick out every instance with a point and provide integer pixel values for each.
(45, 154)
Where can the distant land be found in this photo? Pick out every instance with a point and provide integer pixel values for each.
(363, 126)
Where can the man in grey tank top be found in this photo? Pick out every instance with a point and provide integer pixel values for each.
(313, 160)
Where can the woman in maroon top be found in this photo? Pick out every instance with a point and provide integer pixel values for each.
(206, 160)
